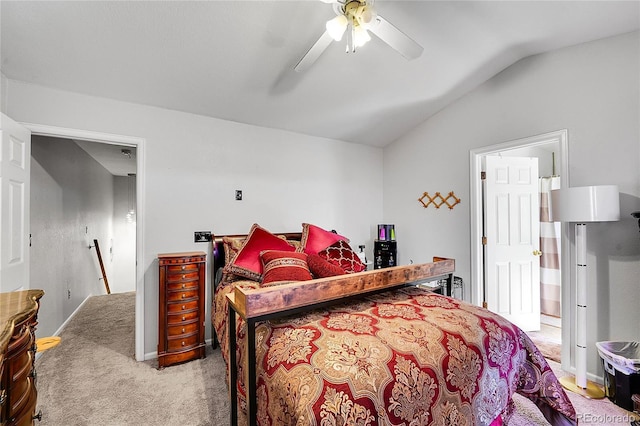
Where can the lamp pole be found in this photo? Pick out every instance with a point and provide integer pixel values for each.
(581, 205)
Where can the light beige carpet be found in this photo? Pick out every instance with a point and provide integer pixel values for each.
(92, 378)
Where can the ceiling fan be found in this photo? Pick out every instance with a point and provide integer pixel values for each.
(357, 18)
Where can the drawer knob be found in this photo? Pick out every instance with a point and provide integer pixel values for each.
(183, 295)
(184, 267)
(183, 307)
(184, 318)
(183, 329)
(184, 285)
(184, 276)
(183, 343)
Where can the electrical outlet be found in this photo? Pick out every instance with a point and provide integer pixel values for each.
(202, 236)
(68, 294)
(238, 195)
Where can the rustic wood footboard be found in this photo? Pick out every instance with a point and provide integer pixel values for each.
(261, 304)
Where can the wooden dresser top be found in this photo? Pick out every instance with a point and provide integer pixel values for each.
(182, 254)
(14, 307)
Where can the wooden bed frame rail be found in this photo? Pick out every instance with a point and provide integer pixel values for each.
(250, 303)
(261, 304)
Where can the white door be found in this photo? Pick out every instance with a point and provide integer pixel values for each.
(512, 231)
(15, 162)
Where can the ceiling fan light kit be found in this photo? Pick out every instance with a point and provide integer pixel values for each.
(356, 15)
(357, 18)
(360, 37)
(337, 26)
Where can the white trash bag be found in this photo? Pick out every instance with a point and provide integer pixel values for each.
(624, 356)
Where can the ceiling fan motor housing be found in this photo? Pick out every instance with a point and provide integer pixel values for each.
(359, 12)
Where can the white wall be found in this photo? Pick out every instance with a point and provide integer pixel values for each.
(123, 255)
(71, 205)
(590, 89)
(3, 93)
(193, 164)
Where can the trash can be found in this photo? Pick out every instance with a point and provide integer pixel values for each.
(457, 287)
(621, 362)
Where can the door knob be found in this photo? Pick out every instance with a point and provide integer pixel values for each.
(537, 253)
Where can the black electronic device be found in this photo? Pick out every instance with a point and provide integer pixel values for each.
(385, 254)
(637, 216)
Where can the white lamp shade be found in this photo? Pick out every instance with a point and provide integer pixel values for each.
(337, 26)
(361, 36)
(586, 204)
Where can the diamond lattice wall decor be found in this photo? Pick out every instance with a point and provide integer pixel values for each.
(438, 200)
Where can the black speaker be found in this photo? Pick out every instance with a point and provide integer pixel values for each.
(384, 254)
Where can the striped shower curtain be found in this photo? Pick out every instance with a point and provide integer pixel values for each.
(550, 247)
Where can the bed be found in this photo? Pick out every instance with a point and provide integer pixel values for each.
(369, 348)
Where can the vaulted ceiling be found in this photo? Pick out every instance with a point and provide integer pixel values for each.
(234, 59)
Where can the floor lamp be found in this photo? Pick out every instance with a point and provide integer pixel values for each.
(581, 205)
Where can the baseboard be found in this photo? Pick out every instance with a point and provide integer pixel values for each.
(150, 355)
(591, 377)
(550, 320)
(64, 324)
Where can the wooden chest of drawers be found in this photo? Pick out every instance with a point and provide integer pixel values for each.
(182, 293)
(18, 320)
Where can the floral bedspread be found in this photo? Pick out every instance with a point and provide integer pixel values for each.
(407, 357)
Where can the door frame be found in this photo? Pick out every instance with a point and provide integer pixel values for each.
(138, 143)
(476, 226)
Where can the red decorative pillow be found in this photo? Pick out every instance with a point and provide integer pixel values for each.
(322, 268)
(281, 267)
(247, 262)
(342, 255)
(315, 239)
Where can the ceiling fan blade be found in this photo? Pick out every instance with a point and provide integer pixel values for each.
(314, 53)
(395, 38)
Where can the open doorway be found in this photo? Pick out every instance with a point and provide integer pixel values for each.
(551, 150)
(138, 145)
(82, 224)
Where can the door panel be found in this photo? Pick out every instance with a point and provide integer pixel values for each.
(512, 269)
(15, 155)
